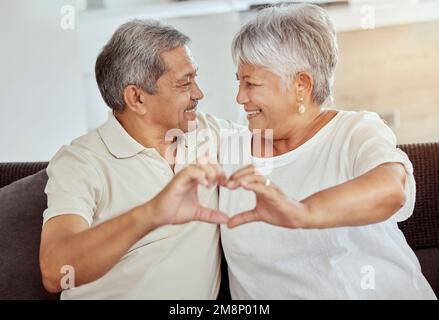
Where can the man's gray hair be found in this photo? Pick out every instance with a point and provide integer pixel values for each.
(289, 39)
(132, 57)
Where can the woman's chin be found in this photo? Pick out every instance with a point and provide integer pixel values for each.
(255, 125)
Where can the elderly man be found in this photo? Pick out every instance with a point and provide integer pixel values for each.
(124, 219)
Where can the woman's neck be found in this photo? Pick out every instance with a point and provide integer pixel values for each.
(302, 130)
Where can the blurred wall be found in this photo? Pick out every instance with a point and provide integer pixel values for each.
(41, 100)
(393, 71)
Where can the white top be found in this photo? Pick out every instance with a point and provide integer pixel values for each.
(106, 173)
(366, 262)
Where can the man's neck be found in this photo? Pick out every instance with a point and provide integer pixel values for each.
(147, 134)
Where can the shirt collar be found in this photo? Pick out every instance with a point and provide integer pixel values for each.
(120, 144)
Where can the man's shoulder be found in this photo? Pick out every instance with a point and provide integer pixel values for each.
(86, 146)
(90, 143)
(84, 141)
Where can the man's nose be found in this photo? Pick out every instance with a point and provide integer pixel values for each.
(197, 94)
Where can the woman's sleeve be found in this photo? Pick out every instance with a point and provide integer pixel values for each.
(373, 143)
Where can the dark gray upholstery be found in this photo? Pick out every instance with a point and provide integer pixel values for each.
(22, 204)
(13, 171)
(422, 229)
(429, 260)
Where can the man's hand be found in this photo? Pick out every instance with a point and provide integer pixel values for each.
(178, 202)
(68, 240)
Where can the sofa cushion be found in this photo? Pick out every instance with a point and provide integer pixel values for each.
(429, 260)
(21, 207)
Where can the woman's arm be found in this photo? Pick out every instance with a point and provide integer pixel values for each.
(370, 198)
(373, 197)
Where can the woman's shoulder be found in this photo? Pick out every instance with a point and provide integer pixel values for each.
(350, 121)
(360, 128)
(355, 128)
(351, 116)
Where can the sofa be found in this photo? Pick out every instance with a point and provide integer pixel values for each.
(22, 201)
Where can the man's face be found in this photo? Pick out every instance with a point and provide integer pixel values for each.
(174, 103)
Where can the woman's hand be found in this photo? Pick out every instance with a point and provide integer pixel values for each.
(272, 205)
(178, 202)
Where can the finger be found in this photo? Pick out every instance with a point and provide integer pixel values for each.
(250, 179)
(220, 176)
(243, 218)
(215, 173)
(246, 170)
(193, 173)
(210, 173)
(249, 170)
(246, 179)
(212, 216)
(257, 188)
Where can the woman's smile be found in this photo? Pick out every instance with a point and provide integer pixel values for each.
(251, 114)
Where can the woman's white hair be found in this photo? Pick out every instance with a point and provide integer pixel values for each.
(290, 39)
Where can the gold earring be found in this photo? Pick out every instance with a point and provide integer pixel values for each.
(302, 108)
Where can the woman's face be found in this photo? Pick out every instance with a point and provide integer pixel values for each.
(267, 104)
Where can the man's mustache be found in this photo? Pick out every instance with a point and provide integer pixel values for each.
(194, 104)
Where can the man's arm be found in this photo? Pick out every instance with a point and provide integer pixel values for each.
(92, 252)
(67, 240)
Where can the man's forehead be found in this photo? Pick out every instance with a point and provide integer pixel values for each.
(188, 72)
(180, 62)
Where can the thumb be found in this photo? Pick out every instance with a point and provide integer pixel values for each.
(242, 218)
(211, 216)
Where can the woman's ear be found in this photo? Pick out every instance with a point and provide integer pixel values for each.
(304, 84)
(135, 99)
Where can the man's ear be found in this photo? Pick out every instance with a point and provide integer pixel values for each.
(135, 99)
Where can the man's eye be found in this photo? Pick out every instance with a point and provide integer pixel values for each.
(186, 84)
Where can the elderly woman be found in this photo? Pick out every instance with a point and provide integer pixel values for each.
(325, 204)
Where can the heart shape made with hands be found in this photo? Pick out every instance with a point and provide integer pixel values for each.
(272, 205)
(179, 200)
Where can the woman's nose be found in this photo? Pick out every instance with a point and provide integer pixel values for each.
(241, 97)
